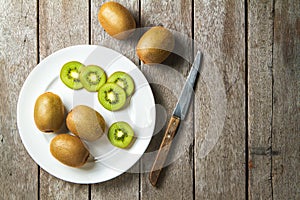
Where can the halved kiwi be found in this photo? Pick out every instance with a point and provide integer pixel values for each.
(124, 80)
(111, 96)
(92, 77)
(120, 134)
(69, 74)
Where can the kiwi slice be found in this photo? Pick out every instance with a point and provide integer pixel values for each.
(92, 77)
(111, 96)
(124, 80)
(120, 134)
(69, 74)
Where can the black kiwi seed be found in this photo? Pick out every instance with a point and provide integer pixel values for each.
(111, 101)
(69, 74)
(121, 137)
(92, 77)
(111, 96)
(120, 134)
(124, 80)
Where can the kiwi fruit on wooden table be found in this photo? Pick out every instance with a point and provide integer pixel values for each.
(92, 77)
(155, 45)
(86, 123)
(120, 134)
(69, 74)
(49, 112)
(69, 150)
(124, 80)
(112, 97)
(116, 20)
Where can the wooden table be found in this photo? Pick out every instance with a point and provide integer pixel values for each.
(255, 47)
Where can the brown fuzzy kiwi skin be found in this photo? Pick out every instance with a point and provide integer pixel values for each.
(116, 20)
(49, 112)
(86, 123)
(69, 150)
(155, 45)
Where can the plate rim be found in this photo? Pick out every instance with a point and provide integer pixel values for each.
(21, 94)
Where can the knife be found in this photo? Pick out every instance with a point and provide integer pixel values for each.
(179, 114)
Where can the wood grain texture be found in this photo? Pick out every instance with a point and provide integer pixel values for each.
(125, 186)
(163, 150)
(32, 30)
(17, 58)
(62, 24)
(176, 180)
(100, 37)
(286, 100)
(220, 151)
(260, 40)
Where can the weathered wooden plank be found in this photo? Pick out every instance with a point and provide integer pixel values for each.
(260, 40)
(17, 58)
(286, 99)
(125, 186)
(176, 180)
(62, 24)
(220, 101)
(100, 37)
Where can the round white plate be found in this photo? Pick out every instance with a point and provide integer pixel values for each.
(110, 161)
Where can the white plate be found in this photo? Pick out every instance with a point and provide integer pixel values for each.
(111, 161)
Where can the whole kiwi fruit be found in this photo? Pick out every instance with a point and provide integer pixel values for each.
(49, 112)
(155, 45)
(86, 123)
(116, 20)
(69, 150)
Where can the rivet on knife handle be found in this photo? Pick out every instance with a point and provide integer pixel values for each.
(179, 114)
(164, 149)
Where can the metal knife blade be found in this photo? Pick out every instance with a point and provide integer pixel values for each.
(178, 115)
(187, 91)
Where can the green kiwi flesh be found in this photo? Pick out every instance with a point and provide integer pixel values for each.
(124, 80)
(111, 96)
(92, 77)
(69, 74)
(120, 134)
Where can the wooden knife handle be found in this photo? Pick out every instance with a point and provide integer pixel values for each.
(164, 149)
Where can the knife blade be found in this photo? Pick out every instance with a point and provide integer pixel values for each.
(178, 114)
